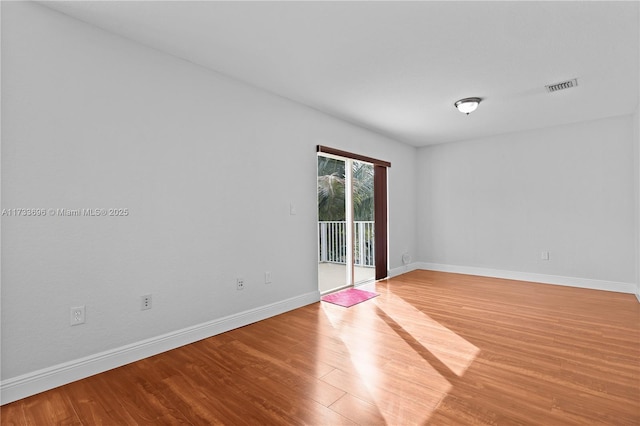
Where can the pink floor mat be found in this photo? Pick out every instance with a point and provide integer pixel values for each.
(348, 298)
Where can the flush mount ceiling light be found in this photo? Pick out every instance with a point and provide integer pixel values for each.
(467, 105)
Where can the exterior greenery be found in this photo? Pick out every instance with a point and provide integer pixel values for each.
(331, 187)
(331, 207)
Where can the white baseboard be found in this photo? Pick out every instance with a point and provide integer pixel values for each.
(404, 269)
(615, 286)
(61, 374)
(638, 297)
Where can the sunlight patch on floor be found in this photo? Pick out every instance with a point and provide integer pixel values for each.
(454, 351)
(390, 369)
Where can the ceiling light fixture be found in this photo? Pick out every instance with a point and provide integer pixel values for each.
(467, 105)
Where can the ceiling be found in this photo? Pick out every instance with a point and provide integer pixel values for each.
(398, 67)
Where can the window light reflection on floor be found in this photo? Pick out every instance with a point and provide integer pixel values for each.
(417, 355)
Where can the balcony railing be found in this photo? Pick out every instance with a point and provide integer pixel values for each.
(333, 242)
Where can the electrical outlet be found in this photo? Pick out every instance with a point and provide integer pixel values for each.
(240, 283)
(145, 302)
(544, 255)
(267, 277)
(77, 315)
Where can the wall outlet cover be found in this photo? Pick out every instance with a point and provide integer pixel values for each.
(77, 315)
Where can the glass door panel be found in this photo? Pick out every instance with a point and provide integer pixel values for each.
(363, 222)
(333, 232)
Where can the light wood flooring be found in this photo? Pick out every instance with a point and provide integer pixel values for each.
(433, 348)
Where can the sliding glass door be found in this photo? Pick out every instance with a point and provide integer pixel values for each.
(346, 248)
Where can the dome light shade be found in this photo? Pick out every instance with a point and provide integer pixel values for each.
(467, 105)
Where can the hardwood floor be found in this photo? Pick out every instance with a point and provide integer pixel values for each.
(433, 348)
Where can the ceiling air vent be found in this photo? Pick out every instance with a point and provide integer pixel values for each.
(562, 85)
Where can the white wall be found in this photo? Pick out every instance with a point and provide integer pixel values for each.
(206, 166)
(636, 144)
(636, 128)
(495, 204)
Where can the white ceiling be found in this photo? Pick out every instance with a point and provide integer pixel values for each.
(398, 67)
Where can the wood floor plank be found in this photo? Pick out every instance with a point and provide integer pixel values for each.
(358, 411)
(93, 406)
(12, 415)
(52, 407)
(139, 397)
(247, 384)
(297, 357)
(433, 348)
